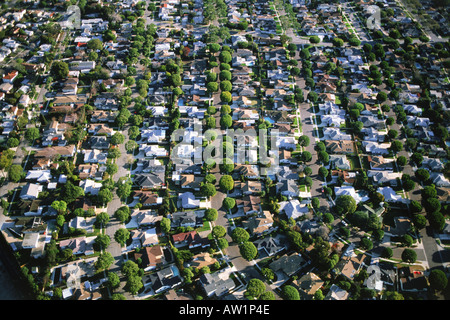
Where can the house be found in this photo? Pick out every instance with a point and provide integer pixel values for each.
(349, 266)
(390, 195)
(340, 147)
(152, 180)
(384, 177)
(79, 245)
(293, 208)
(336, 293)
(188, 200)
(185, 219)
(376, 148)
(95, 156)
(190, 181)
(268, 246)
(260, 224)
(380, 163)
(91, 171)
(165, 279)
(307, 285)
(201, 260)
(146, 237)
(347, 178)
(147, 198)
(439, 180)
(411, 279)
(249, 204)
(10, 77)
(144, 218)
(214, 285)
(340, 161)
(350, 191)
(288, 265)
(191, 239)
(90, 186)
(152, 257)
(288, 188)
(30, 191)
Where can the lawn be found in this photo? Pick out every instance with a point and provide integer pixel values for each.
(354, 162)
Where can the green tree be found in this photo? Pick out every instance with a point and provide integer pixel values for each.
(255, 288)
(345, 205)
(134, 284)
(409, 255)
(122, 213)
(113, 281)
(226, 121)
(103, 241)
(15, 172)
(165, 225)
(438, 280)
(117, 138)
(211, 214)
(226, 183)
(290, 293)
(208, 190)
(104, 261)
(59, 70)
(60, 206)
(124, 185)
(240, 235)
(229, 203)
(218, 231)
(248, 250)
(121, 236)
(32, 134)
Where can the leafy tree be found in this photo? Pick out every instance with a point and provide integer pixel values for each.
(397, 146)
(226, 183)
(409, 255)
(222, 243)
(104, 196)
(103, 241)
(226, 85)
(102, 219)
(366, 243)
(345, 205)
(225, 96)
(121, 236)
(95, 44)
(229, 203)
(59, 70)
(255, 288)
(71, 192)
(225, 57)
(32, 134)
(436, 220)
(290, 293)
(225, 75)
(208, 190)
(113, 281)
(12, 142)
(422, 174)
(401, 161)
(387, 253)
(15, 172)
(240, 235)
(304, 140)
(211, 214)
(219, 231)
(124, 185)
(60, 206)
(104, 261)
(122, 214)
(117, 138)
(248, 250)
(165, 225)
(134, 284)
(268, 295)
(438, 280)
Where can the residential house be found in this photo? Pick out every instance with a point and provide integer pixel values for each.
(307, 285)
(214, 285)
(293, 208)
(260, 224)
